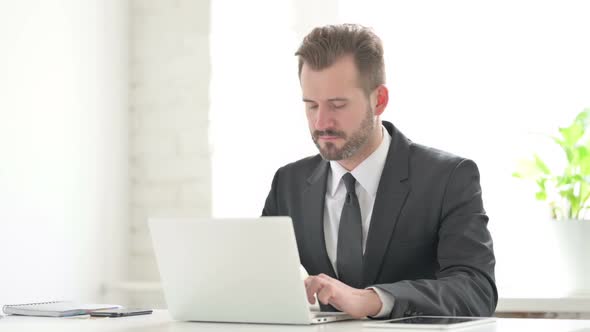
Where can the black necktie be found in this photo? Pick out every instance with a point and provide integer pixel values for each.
(349, 254)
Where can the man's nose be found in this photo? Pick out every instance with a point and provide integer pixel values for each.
(324, 118)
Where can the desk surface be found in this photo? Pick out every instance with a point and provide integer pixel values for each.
(509, 301)
(160, 321)
(545, 304)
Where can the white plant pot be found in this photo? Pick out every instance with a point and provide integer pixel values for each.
(573, 237)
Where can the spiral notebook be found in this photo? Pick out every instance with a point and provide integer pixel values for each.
(54, 309)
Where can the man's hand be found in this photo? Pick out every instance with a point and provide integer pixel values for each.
(358, 303)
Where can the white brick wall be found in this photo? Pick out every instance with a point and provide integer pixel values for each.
(170, 156)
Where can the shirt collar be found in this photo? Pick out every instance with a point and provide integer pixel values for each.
(368, 172)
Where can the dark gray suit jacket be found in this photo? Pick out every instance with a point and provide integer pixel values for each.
(428, 243)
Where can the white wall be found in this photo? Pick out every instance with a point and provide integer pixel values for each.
(169, 111)
(63, 148)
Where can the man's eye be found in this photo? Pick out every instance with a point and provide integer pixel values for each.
(312, 107)
(339, 106)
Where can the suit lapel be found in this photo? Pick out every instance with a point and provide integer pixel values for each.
(313, 218)
(391, 196)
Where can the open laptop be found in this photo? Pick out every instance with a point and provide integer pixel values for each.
(233, 270)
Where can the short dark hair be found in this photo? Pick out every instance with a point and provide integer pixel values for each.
(324, 45)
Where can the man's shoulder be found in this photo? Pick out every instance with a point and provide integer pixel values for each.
(431, 168)
(423, 153)
(428, 159)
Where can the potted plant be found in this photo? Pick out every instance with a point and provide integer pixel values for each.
(567, 192)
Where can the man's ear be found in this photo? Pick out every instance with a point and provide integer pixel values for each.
(381, 100)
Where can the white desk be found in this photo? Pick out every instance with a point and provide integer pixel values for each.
(510, 301)
(160, 321)
(579, 304)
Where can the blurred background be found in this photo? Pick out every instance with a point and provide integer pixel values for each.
(114, 111)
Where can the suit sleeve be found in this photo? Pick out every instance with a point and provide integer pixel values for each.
(464, 284)
(270, 206)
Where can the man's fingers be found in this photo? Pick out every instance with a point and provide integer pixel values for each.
(325, 294)
(312, 286)
(310, 298)
(334, 292)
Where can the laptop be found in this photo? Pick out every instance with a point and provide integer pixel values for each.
(233, 270)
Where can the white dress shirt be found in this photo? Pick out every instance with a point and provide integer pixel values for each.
(367, 175)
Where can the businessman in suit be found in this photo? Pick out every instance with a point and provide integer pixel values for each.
(385, 227)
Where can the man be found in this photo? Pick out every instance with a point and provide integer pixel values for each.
(384, 226)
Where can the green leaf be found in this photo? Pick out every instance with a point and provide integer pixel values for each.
(584, 159)
(541, 183)
(541, 195)
(559, 141)
(583, 118)
(572, 134)
(541, 165)
(527, 169)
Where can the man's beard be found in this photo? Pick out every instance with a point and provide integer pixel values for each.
(357, 140)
